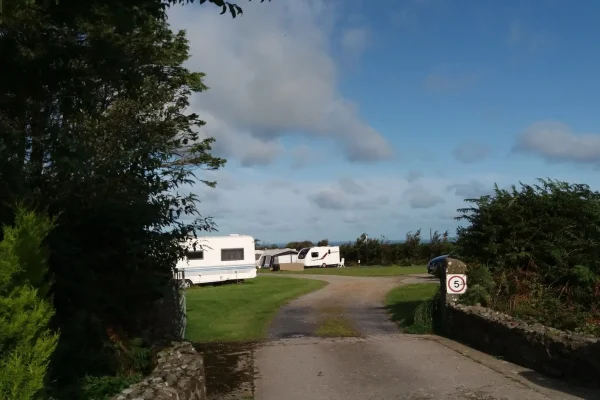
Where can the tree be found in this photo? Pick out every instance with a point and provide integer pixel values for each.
(323, 242)
(9, 8)
(299, 245)
(94, 128)
(233, 8)
(26, 342)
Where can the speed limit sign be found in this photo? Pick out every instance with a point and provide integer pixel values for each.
(456, 283)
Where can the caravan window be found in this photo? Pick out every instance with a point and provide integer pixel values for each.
(195, 255)
(302, 254)
(232, 254)
(314, 254)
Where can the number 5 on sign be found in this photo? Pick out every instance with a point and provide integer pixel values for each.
(456, 283)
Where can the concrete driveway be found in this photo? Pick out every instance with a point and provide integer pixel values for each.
(381, 362)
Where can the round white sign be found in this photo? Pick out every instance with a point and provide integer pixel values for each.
(456, 283)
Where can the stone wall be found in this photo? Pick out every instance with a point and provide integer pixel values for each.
(543, 349)
(179, 375)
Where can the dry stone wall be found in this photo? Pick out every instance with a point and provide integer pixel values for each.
(179, 375)
(547, 350)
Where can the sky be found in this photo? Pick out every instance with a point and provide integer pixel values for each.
(343, 117)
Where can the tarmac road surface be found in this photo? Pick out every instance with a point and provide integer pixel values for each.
(381, 363)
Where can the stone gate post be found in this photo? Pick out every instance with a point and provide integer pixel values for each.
(450, 266)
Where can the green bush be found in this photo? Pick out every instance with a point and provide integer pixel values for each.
(26, 342)
(541, 248)
(379, 251)
(480, 286)
(102, 387)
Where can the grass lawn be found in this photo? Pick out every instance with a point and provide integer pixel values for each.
(240, 312)
(355, 271)
(402, 302)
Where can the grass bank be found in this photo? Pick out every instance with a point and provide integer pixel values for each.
(240, 312)
(355, 271)
(402, 302)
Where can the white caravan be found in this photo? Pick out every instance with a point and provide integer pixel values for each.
(218, 258)
(259, 254)
(321, 256)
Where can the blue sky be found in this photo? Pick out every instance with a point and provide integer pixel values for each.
(342, 120)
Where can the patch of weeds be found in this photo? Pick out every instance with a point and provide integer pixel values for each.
(334, 324)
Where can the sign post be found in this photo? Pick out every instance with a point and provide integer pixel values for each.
(456, 283)
(453, 283)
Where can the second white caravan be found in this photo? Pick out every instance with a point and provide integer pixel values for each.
(218, 258)
(321, 256)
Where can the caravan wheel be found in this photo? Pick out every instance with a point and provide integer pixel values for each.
(188, 284)
(324, 266)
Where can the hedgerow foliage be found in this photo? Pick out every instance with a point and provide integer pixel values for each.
(380, 251)
(534, 252)
(26, 342)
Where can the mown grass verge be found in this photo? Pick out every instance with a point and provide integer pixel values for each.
(240, 312)
(410, 307)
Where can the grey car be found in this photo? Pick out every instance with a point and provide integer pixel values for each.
(434, 263)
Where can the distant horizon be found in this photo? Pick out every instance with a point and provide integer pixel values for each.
(338, 242)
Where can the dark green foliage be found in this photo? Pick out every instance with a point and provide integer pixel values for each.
(299, 245)
(413, 251)
(9, 8)
(233, 8)
(323, 242)
(481, 286)
(26, 342)
(94, 128)
(102, 387)
(541, 244)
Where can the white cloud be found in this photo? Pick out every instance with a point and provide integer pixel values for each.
(279, 210)
(355, 40)
(350, 218)
(329, 200)
(470, 190)
(372, 204)
(414, 176)
(271, 74)
(556, 142)
(350, 186)
(419, 197)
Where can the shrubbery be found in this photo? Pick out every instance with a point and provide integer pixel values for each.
(26, 342)
(534, 252)
(379, 251)
(95, 129)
